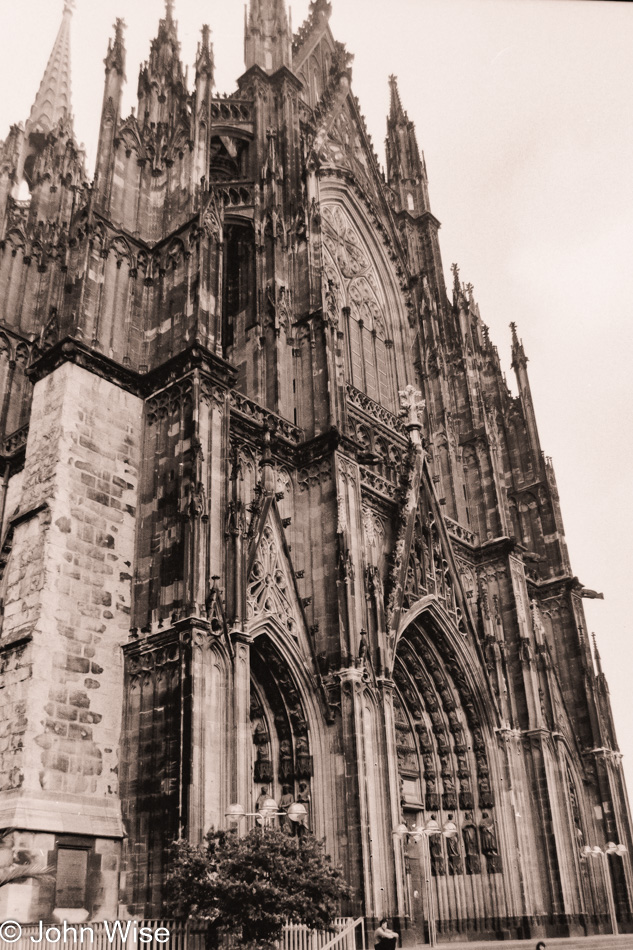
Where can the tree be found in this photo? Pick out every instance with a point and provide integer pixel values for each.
(250, 885)
(29, 866)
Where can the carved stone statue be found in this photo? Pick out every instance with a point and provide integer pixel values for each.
(263, 771)
(489, 844)
(303, 758)
(423, 734)
(263, 797)
(432, 795)
(471, 847)
(449, 798)
(466, 798)
(478, 739)
(486, 797)
(285, 802)
(454, 857)
(286, 768)
(305, 799)
(438, 866)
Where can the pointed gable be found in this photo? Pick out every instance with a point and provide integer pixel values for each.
(271, 589)
(425, 564)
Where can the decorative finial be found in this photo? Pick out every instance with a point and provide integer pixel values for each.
(69, 6)
(411, 410)
(169, 9)
(597, 654)
(457, 288)
(267, 466)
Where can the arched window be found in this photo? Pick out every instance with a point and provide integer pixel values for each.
(239, 282)
(228, 158)
(353, 286)
(315, 86)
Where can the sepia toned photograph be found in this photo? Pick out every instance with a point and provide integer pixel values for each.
(315, 508)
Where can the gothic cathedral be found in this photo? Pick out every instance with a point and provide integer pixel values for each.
(272, 518)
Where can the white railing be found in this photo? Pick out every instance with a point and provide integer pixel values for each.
(133, 935)
(299, 937)
(121, 935)
(347, 939)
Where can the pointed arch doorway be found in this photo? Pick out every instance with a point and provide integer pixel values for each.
(447, 769)
(281, 752)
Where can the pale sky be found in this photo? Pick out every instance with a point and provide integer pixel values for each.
(523, 109)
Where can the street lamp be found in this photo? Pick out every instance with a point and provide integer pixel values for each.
(597, 852)
(297, 813)
(422, 833)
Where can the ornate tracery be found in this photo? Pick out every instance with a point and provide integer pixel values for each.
(353, 288)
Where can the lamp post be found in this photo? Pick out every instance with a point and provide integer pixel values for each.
(297, 813)
(422, 833)
(603, 854)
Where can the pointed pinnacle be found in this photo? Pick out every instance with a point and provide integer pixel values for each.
(52, 101)
(597, 654)
(518, 353)
(115, 58)
(396, 111)
(169, 10)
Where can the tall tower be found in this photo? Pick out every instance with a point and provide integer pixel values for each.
(406, 171)
(267, 36)
(271, 515)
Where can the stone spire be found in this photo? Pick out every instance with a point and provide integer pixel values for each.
(53, 98)
(596, 653)
(115, 58)
(519, 365)
(518, 353)
(396, 112)
(405, 166)
(204, 55)
(164, 58)
(268, 36)
(161, 84)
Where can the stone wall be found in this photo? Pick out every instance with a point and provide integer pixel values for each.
(67, 601)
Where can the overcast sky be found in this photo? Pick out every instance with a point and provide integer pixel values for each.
(523, 109)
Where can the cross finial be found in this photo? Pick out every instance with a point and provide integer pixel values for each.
(69, 6)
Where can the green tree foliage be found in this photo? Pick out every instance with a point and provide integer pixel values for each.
(250, 885)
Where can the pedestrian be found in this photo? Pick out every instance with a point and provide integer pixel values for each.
(385, 939)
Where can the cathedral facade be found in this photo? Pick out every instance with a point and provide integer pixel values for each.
(272, 518)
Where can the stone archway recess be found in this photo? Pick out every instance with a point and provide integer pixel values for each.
(449, 768)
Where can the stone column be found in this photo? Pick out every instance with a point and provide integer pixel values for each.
(240, 758)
